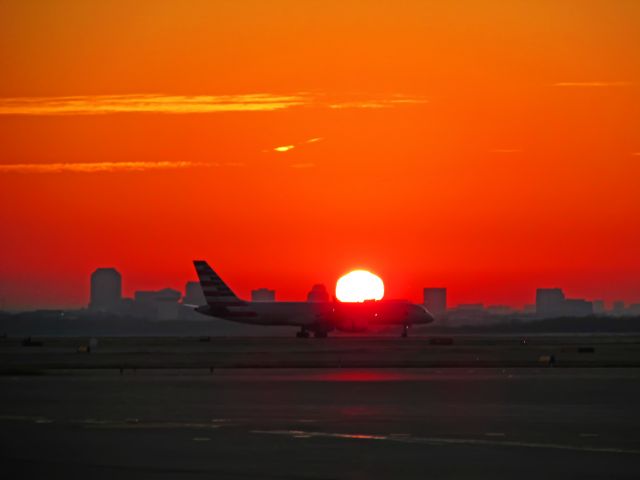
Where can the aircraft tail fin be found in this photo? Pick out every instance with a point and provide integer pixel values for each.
(215, 291)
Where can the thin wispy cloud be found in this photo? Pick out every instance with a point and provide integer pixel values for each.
(101, 167)
(636, 154)
(185, 104)
(287, 148)
(176, 104)
(378, 103)
(592, 84)
(505, 150)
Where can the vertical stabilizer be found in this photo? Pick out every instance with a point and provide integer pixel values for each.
(215, 291)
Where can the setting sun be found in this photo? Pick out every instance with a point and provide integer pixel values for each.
(358, 286)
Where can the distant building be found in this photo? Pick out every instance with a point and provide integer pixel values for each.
(467, 314)
(263, 295)
(435, 299)
(598, 307)
(634, 309)
(549, 302)
(106, 290)
(158, 305)
(618, 308)
(529, 308)
(318, 293)
(577, 307)
(470, 307)
(193, 294)
(499, 310)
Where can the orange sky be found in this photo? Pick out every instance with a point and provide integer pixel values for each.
(487, 146)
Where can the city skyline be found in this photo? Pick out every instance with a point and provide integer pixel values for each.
(106, 296)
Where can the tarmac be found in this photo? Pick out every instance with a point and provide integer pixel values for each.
(205, 352)
(353, 422)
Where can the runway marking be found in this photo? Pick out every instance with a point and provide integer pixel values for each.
(106, 424)
(25, 418)
(93, 421)
(448, 441)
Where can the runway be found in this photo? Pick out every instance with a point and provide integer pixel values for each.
(352, 423)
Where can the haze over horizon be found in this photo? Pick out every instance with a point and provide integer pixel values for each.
(487, 147)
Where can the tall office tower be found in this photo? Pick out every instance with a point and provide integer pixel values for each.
(106, 290)
(435, 299)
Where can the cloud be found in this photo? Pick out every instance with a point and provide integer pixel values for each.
(99, 167)
(184, 104)
(109, 104)
(284, 148)
(592, 84)
(636, 154)
(505, 150)
(378, 103)
(303, 165)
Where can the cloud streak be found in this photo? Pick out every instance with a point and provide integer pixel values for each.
(100, 167)
(184, 104)
(176, 104)
(592, 84)
(287, 148)
(284, 148)
(505, 150)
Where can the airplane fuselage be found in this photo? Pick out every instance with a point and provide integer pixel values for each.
(326, 316)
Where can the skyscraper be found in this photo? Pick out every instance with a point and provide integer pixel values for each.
(435, 299)
(106, 290)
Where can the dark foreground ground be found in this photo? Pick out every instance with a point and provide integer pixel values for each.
(351, 422)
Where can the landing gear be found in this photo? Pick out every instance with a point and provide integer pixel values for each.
(303, 333)
(405, 331)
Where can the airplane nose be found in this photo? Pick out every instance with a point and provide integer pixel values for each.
(427, 317)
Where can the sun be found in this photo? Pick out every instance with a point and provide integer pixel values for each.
(358, 286)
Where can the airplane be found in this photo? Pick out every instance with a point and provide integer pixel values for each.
(317, 317)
